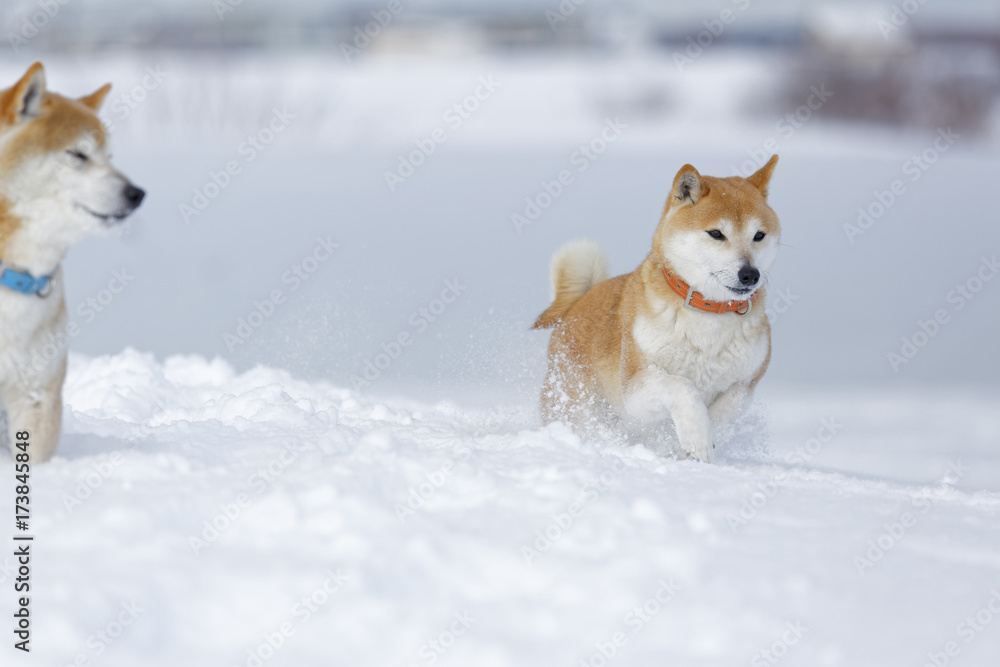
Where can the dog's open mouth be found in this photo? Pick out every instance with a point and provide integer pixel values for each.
(106, 218)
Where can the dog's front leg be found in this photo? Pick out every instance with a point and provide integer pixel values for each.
(41, 416)
(729, 404)
(652, 395)
(39, 412)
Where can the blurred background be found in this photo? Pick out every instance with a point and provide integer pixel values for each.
(426, 141)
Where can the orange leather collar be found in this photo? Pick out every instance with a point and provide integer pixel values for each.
(697, 301)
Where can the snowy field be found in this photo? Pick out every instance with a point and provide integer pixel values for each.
(221, 504)
(267, 502)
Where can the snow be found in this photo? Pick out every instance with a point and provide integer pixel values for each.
(410, 513)
(303, 470)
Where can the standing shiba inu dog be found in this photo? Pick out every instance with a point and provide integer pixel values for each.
(684, 336)
(56, 187)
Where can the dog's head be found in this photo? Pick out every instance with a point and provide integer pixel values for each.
(719, 234)
(54, 165)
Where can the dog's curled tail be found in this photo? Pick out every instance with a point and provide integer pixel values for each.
(576, 267)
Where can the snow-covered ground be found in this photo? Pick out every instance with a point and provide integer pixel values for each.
(226, 507)
(423, 515)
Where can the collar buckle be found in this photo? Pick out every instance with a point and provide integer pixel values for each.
(687, 299)
(25, 283)
(46, 289)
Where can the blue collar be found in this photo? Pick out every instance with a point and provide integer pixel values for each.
(24, 282)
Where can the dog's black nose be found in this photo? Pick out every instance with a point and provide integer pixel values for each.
(134, 195)
(749, 276)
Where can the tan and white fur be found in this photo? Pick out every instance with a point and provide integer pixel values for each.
(628, 350)
(57, 186)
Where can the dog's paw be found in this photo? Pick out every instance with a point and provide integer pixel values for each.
(699, 449)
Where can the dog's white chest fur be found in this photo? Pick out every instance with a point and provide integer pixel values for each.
(26, 352)
(713, 351)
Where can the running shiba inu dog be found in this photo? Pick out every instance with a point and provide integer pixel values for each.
(56, 187)
(684, 336)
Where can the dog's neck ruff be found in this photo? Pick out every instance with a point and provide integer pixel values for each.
(24, 282)
(698, 302)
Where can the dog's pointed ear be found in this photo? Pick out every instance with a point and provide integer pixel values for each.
(96, 98)
(689, 187)
(24, 100)
(762, 176)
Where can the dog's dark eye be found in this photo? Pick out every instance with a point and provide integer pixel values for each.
(78, 155)
(716, 234)
(759, 236)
